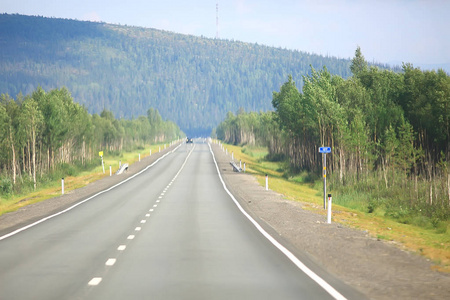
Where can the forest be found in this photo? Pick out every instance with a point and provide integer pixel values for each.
(45, 132)
(389, 133)
(193, 81)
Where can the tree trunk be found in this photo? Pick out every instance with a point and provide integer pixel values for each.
(34, 156)
(13, 156)
(383, 163)
(29, 158)
(431, 192)
(448, 187)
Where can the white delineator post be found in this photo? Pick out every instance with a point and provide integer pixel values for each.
(159, 148)
(139, 157)
(150, 152)
(267, 182)
(244, 167)
(110, 170)
(232, 155)
(329, 209)
(62, 186)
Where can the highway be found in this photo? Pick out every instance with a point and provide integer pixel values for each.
(171, 232)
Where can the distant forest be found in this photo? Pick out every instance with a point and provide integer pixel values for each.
(193, 81)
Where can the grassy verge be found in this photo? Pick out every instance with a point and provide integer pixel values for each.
(50, 189)
(424, 241)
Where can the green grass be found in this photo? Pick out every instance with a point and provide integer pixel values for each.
(74, 177)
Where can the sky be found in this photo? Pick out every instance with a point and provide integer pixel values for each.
(388, 31)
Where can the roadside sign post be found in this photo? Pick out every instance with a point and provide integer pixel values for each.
(324, 151)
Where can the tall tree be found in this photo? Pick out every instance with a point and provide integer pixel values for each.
(31, 120)
(359, 64)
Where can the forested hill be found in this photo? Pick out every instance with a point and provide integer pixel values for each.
(192, 81)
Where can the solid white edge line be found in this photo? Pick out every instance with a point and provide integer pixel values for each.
(87, 199)
(328, 288)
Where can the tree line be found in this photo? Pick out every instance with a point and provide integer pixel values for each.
(389, 134)
(44, 130)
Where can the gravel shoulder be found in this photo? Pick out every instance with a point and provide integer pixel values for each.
(375, 268)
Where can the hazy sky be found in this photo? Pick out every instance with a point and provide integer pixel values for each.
(388, 31)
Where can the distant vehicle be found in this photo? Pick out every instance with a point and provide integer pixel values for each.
(188, 141)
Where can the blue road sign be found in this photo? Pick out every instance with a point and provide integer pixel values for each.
(325, 150)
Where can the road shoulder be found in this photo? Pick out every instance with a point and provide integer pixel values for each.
(376, 268)
(29, 214)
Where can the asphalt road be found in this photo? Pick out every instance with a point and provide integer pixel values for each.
(171, 232)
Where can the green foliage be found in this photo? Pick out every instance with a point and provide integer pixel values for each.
(389, 134)
(47, 134)
(191, 80)
(359, 64)
(6, 186)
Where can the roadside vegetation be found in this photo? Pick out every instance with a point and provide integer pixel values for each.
(46, 136)
(75, 176)
(426, 240)
(390, 139)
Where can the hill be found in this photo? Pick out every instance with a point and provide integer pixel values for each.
(193, 81)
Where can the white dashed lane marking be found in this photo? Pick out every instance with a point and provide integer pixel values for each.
(110, 262)
(95, 281)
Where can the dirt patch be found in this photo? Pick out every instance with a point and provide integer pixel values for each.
(378, 269)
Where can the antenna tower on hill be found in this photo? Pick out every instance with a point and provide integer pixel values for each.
(217, 20)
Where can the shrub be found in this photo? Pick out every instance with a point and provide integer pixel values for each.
(6, 186)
